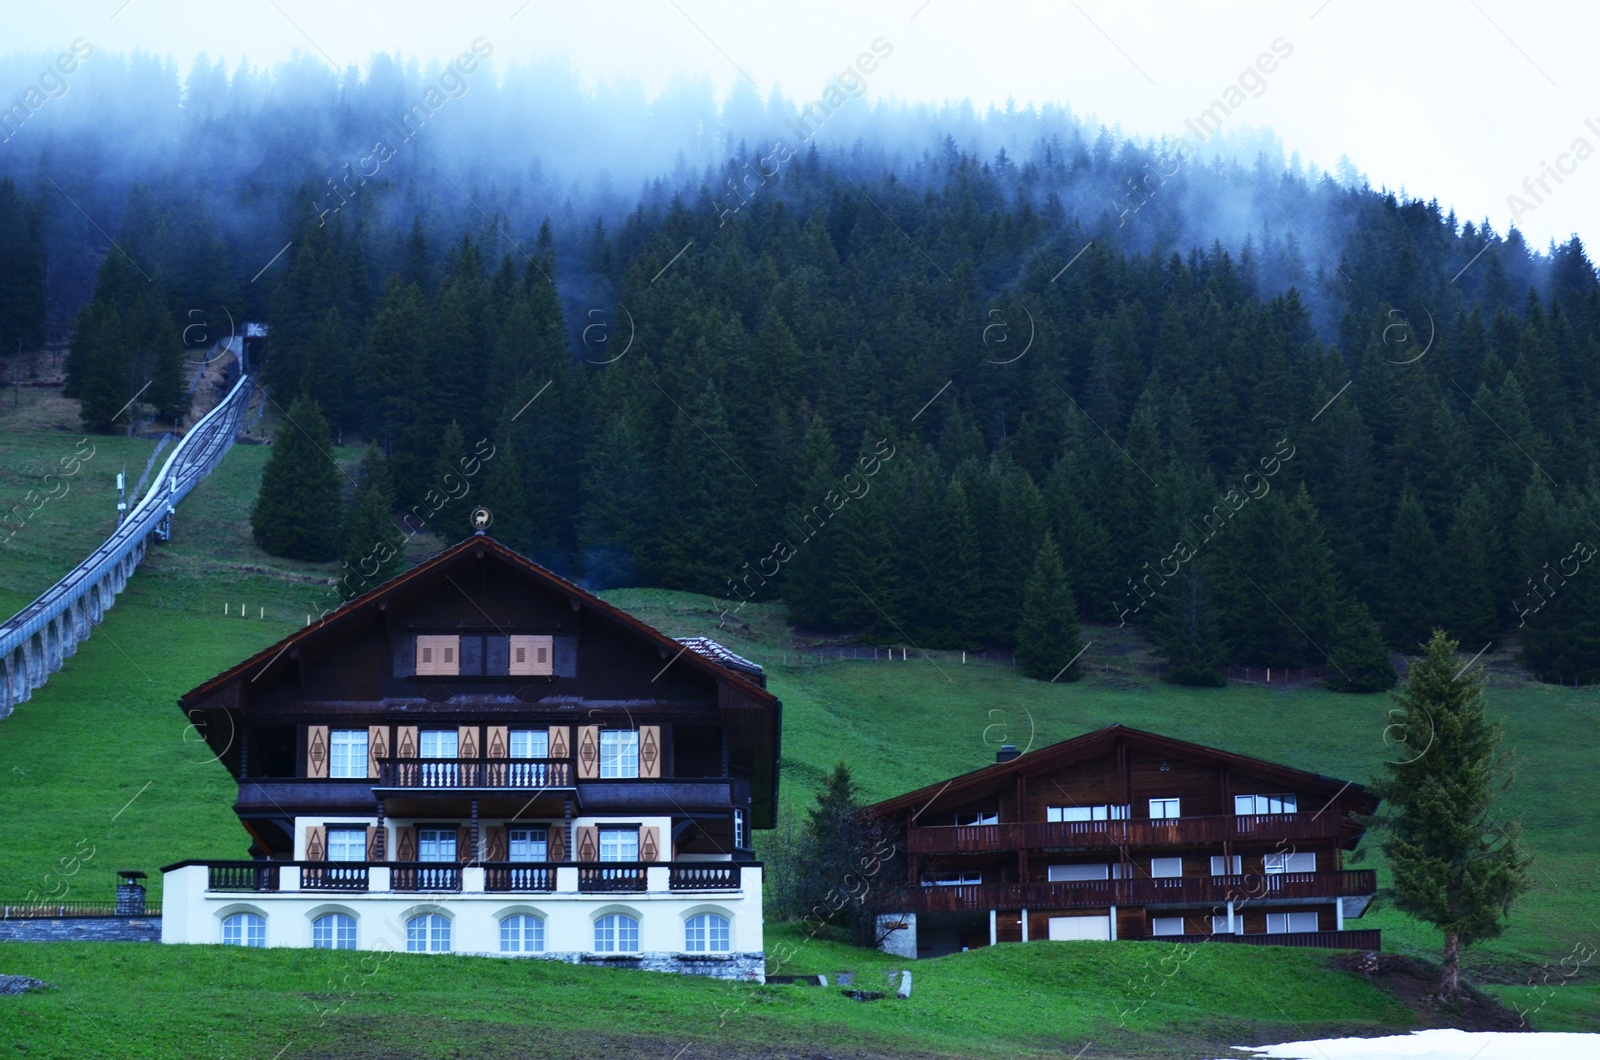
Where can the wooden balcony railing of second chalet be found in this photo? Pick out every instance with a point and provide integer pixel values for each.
(519, 773)
(1174, 890)
(1056, 835)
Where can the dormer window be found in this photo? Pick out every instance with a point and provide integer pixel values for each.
(532, 656)
(439, 655)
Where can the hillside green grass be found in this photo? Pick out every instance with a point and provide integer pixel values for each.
(100, 772)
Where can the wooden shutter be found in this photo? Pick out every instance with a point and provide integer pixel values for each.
(464, 851)
(374, 844)
(377, 749)
(467, 741)
(405, 741)
(317, 843)
(317, 751)
(496, 835)
(650, 844)
(650, 753)
(532, 655)
(499, 742)
(588, 843)
(557, 849)
(558, 741)
(588, 752)
(405, 843)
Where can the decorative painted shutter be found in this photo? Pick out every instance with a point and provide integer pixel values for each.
(650, 843)
(405, 741)
(467, 741)
(557, 850)
(464, 851)
(496, 843)
(377, 749)
(558, 741)
(317, 751)
(499, 742)
(588, 752)
(650, 753)
(317, 843)
(405, 843)
(588, 843)
(374, 842)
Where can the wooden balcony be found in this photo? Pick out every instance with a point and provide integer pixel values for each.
(1067, 835)
(1214, 890)
(451, 774)
(499, 877)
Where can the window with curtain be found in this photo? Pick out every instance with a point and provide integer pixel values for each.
(528, 844)
(347, 753)
(530, 743)
(619, 753)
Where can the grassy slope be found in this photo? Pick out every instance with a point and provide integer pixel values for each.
(105, 731)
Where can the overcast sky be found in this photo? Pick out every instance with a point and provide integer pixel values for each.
(1462, 100)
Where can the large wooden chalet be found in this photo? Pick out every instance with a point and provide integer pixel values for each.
(481, 757)
(1124, 834)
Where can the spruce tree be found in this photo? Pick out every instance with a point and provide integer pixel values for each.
(1048, 639)
(1412, 589)
(372, 545)
(1456, 862)
(1472, 562)
(1357, 653)
(809, 578)
(298, 513)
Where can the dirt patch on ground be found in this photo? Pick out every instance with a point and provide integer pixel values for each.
(1415, 984)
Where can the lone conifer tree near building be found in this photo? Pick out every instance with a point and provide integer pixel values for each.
(1456, 863)
(1048, 640)
(298, 513)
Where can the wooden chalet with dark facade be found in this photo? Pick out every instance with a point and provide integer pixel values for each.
(1124, 834)
(479, 756)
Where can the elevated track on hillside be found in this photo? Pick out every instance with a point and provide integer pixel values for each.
(35, 642)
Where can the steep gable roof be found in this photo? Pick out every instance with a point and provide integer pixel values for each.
(1102, 741)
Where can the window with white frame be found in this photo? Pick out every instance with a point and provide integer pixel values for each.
(738, 829)
(1244, 805)
(522, 933)
(1166, 925)
(1283, 923)
(428, 933)
(530, 743)
(1219, 925)
(244, 929)
(1161, 868)
(528, 844)
(707, 933)
(1161, 809)
(439, 743)
(347, 844)
(1226, 866)
(619, 844)
(619, 753)
(347, 753)
(952, 879)
(1077, 873)
(1271, 864)
(334, 931)
(1085, 813)
(436, 844)
(978, 817)
(617, 933)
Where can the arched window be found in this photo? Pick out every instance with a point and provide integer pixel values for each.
(522, 934)
(617, 933)
(244, 929)
(707, 933)
(335, 931)
(428, 933)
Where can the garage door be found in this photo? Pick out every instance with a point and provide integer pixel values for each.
(1080, 927)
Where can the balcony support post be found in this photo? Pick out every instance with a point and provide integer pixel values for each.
(477, 848)
(380, 841)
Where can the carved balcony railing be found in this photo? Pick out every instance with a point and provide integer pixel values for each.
(522, 774)
(513, 876)
(413, 876)
(1176, 890)
(242, 876)
(605, 877)
(1062, 835)
(1358, 939)
(333, 877)
(704, 877)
